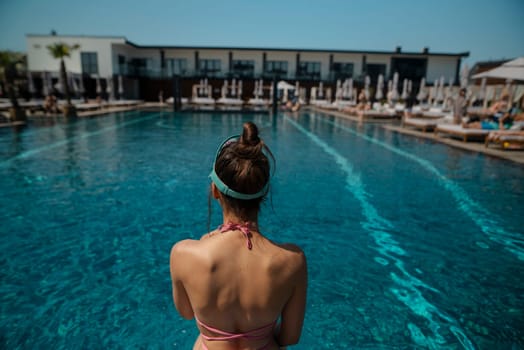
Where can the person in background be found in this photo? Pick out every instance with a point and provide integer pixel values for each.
(501, 116)
(234, 281)
(50, 105)
(460, 106)
(362, 101)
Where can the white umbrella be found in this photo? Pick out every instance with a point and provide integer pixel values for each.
(394, 91)
(440, 90)
(367, 81)
(380, 85)
(45, 86)
(98, 87)
(433, 92)
(404, 95)
(30, 84)
(513, 70)
(338, 91)
(224, 89)
(389, 95)
(509, 89)
(261, 88)
(345, 89)
(421, 96)
(321, 90)
(255, 89)
(239, 89)
(449, 90)
(120, 87)
(464, 76)
(482, 90)
(234, 87)
(110, 89)
(350, 89)
(201, 87)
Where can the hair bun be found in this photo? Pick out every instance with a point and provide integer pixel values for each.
(249, 135)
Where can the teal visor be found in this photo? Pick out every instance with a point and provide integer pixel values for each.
(223, 188)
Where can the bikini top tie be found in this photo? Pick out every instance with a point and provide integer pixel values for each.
(245, 228)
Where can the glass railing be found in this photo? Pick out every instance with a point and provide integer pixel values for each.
(168, 73)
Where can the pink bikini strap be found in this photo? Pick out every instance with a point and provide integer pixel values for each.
(255, 334)
(245, 228)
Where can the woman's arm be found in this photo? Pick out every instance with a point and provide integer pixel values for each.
(178, 260)
(294, 310)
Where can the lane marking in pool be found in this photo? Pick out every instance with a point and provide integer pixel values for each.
(40, 130)
(408, 291)
(65, 141)
(478, 214)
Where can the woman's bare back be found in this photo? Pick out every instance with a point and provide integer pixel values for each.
(253, 286)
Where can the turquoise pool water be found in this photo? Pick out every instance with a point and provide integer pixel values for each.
(411, 244)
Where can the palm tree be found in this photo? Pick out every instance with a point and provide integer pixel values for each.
(59, 51)
(9, 64)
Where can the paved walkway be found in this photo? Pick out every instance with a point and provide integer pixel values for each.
(516, 156)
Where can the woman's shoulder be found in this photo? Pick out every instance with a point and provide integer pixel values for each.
(185, 248)
(292, 254)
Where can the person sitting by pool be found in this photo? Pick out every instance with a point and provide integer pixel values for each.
(498, 111)
(460, 105)
(50, 105)
(292, 105)
(234, 281)
(510, 120)
(363, 104)
(500, 108)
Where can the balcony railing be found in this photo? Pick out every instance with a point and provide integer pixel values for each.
(157, 73)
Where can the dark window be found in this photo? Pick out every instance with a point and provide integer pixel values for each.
(176, 66)
(243, 69)
(122, 67)
(374, 70)
(276, 68)
(342, 70)
(209, 67)
(308, 70)
(89, 62)
(138, 67)
(409, 68)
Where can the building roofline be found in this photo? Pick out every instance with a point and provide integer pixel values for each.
(121, 37)
(395, 52)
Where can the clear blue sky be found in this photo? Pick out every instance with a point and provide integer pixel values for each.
(488, 29)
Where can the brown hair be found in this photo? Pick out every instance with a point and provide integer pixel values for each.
(244, 167)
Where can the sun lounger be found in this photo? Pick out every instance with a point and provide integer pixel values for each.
(433, 114)
(230, 101)
(423, 124)
(508, 139)
(458, 131)
(203, 101)
(372, 114)
(258, 102)
(88, 106)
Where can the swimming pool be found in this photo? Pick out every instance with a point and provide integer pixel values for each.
(410, 244)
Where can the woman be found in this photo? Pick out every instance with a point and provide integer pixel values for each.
(234, 281)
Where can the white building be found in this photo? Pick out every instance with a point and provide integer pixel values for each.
(101, 56)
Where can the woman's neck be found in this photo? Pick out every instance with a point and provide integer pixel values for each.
(230, 218)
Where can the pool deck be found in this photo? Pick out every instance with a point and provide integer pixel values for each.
(514, 155)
